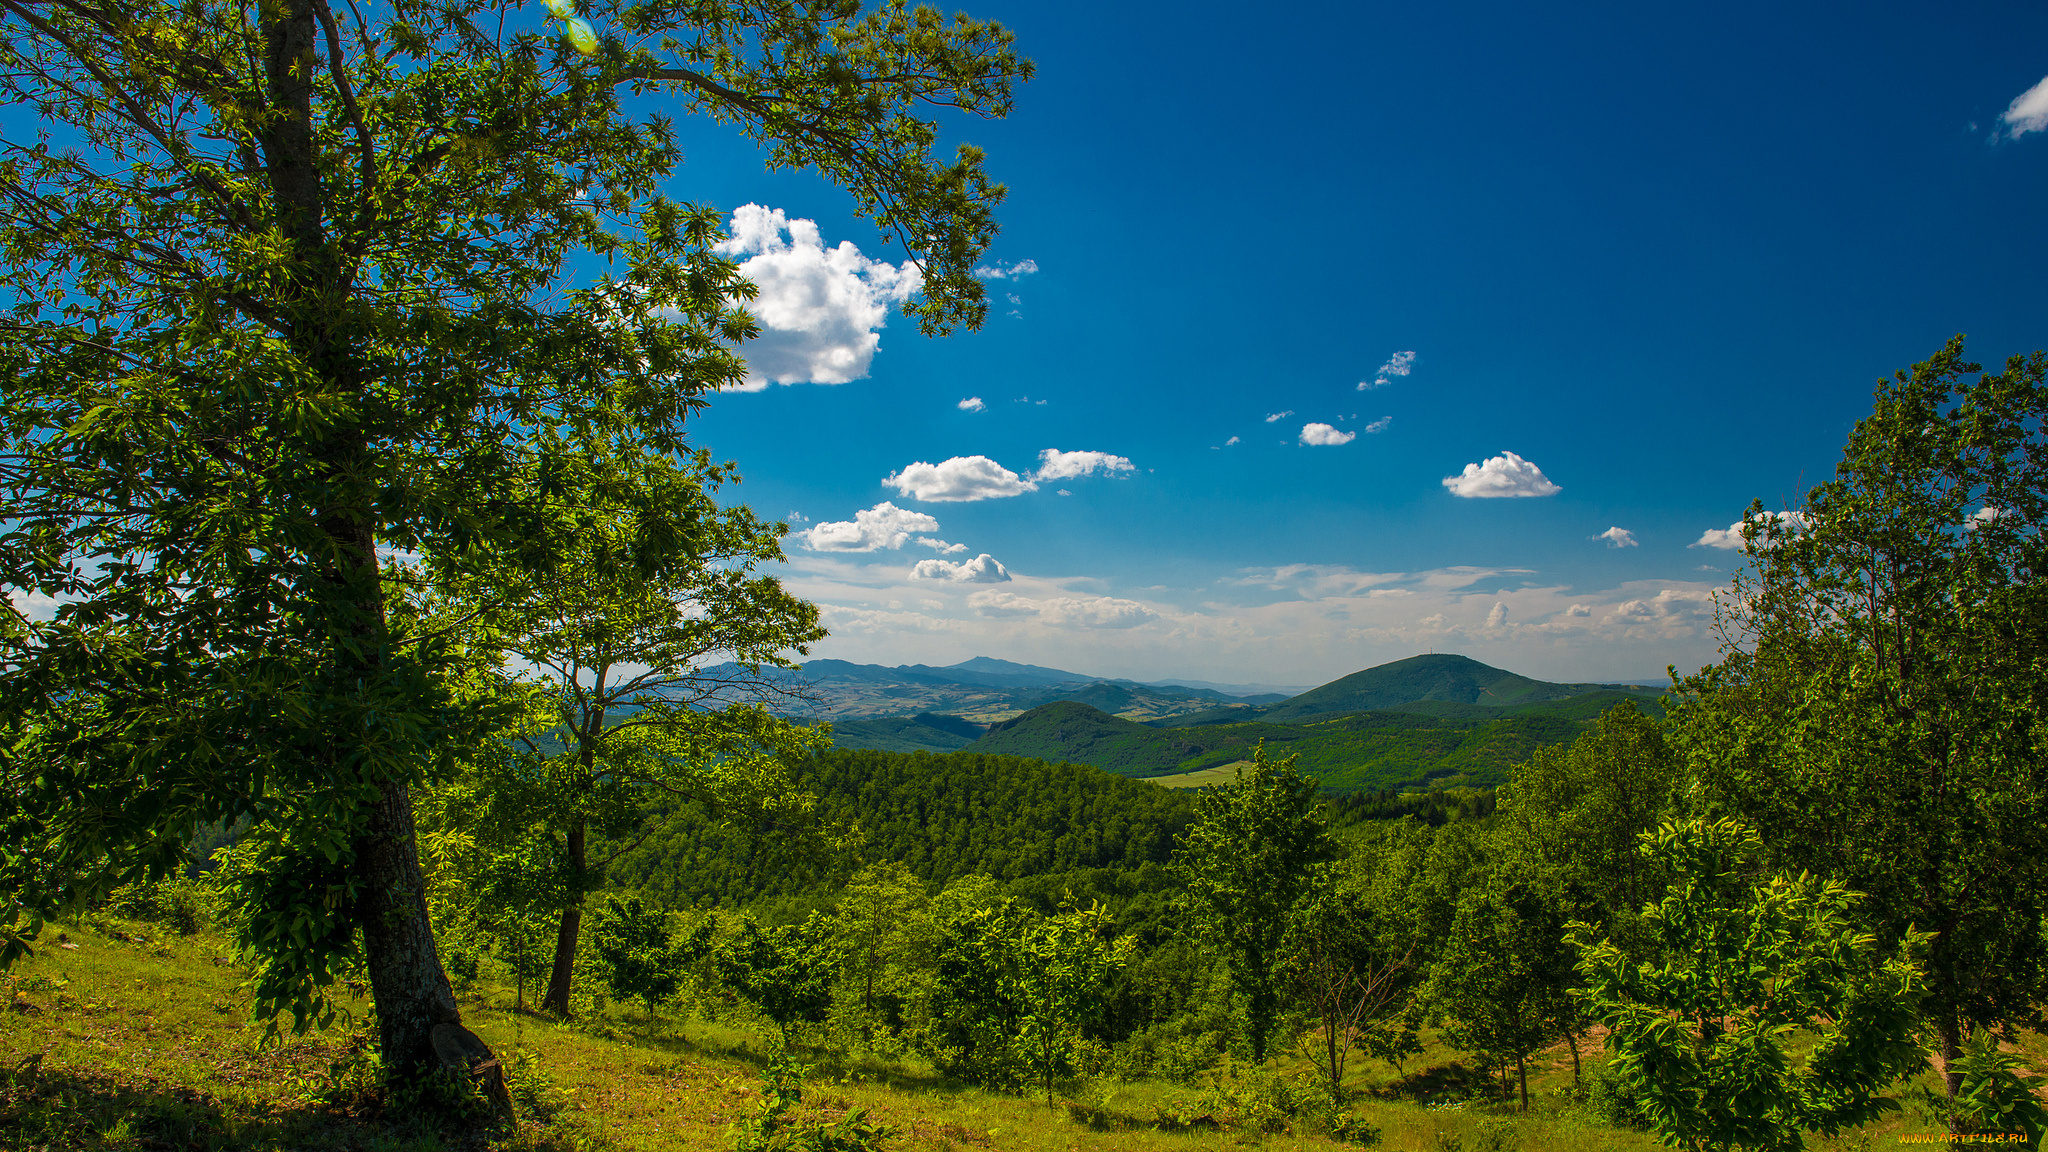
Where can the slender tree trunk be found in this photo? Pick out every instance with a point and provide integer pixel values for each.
(1572, 1038)
(1522, 1072)
(557, 999)
(1949, 1029)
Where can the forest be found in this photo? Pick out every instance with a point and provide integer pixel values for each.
(349, 541)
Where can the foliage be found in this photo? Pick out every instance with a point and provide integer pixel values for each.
(1885, 726)
(1349, 963)
(1060, 971)
(283, 302)
(1997, 1093)
(639, 953)
(1245, 863)
(1501, 982)
(785, 971)
(772, 1129)
(1700, 1036)
(941, 817)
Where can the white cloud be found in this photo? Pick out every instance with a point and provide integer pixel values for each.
(818, 307)
(1325, 434)
(1618, 538)
(1232, 440)
(1398, 365)
(796, 517)
(1054, 464)
(2028, 111)
(1064, 492)
(983, 569)
(959, 479)
(972, 404)
(1730, 538)
(939, 545)
(1579, 611)
(1504, 475)
(1379, 425)
(1498, 618)
(883, 526)
(1276, 417)
(998, 272)
(1074, 612)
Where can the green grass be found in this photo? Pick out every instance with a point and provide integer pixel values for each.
(144, 1043)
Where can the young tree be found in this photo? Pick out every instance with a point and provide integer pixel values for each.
(877, 924)
(1062, 967)
(1245, 862)
(626, 705)
(1501, 983)
(1880, 718)
(1700, 1037)
(639, 953)
(282, 302)
(1353, 966)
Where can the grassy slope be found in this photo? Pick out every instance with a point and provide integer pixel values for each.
(145, 1046)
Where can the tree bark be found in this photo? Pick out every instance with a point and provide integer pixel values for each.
(1522, 1073)
(411, 991)
(1951, 1033)
(557, 999)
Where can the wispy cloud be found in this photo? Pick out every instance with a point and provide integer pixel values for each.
(1398, 365)
(1276, 417)
(998, 272)
(1325, 435)
(819, 307)
(972, 404)
(1504, 475)
(2028, 111)
(1618, 538)
(1379, 425)
(938, 545)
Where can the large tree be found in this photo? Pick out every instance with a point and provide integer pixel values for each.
(284, 300)
(1883, 719)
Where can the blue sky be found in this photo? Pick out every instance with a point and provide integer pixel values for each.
(1660, 256)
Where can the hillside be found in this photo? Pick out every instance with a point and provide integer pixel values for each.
(1362, 751)
(924, 732)
(941, 815)
(1457, 679)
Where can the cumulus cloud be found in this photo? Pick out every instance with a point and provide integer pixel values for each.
(2028, 111)
(883, 526)
(1498, 618)
(998, 272)
(1276, 417)
(1504, 475)
(1379, 425)
(1398, 365)
(1054, 464)
(818, 307)
(972, 404)
(938, 545)
(957, 480)
(1730, 538)
(1072, 612)
(1232, 440)
(983, 569)
(1325, 434)
(1618, 538)
(1578, 611)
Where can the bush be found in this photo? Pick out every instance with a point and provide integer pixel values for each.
(1609, 1103)
(174, 903)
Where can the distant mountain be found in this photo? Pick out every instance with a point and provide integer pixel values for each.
(1457, 679)
(1240, 691)
(921, 733)
(982, 690)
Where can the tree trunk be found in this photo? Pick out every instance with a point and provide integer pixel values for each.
(1572, 1038)
(1951, 1033)
(557, 999)
(1522, 1073)
(411, 991)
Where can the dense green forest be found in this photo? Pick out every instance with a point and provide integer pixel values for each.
(1348, 753)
